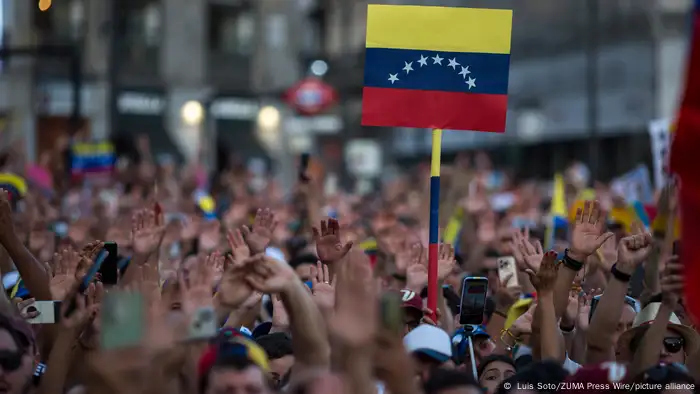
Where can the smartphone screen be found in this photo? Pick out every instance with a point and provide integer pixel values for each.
(109, 270)
(49, 312)
(471, 309)
(507, 271)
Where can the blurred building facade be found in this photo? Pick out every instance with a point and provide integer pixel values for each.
(143, 60)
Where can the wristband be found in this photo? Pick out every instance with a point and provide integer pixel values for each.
(567, 330)
(571, 263)
(619, 275)
(501, 314)
(399, 277)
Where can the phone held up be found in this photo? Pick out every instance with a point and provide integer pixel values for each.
(507, 271)
(391, 312)
(303, 166)
(473, 301)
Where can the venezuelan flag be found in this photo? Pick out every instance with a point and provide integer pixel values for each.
(437, 67)
(453, 230)
(88, 158)
(685, 146)
(369, 246)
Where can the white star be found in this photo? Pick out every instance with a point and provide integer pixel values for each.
(465, 71)
(423, 61)
(437, 59)
(393, 78)
(408, 68)
(471, 82)
(453, 63)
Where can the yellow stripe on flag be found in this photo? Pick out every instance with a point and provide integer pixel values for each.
(446, 29)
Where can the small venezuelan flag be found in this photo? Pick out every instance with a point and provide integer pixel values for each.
(437, 67)
(15, 185)
(92, 158)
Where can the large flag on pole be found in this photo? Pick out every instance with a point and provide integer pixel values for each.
(685, 146)
(437, 67)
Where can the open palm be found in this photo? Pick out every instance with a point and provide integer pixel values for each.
(328, 245)
(587, 234)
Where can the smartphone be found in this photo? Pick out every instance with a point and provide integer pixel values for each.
(392, 314)
(109, 270)
(203, 324)
(60, 229)
(49, 312)
(87, 279)
(628, 300)
(122, 319)
(473, 300)
(38, 373)
(507, 270)
(303, 166)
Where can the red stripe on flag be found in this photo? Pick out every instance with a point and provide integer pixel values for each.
(684, 152)
(434, 109)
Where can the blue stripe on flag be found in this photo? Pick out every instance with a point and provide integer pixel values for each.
(434, 209)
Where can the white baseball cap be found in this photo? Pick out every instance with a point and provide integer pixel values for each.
(429, 340)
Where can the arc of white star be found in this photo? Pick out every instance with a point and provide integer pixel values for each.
(437, 59)
(465, 71)
(423, 61)
(453, 63)
(471, 82)
(393, 78)
(408, 67)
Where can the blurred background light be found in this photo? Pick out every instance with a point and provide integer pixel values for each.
(44, 5)
(319, 68)
(268, 117)
(192, 113)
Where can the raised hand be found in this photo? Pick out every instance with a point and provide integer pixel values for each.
(323, 288)
(329, 247)
(24, 307)
(198, 288)
(672, 281)
(258, 238)
(64, 267)
(545, 278)
(233, 288)
(239, 249)
(146, 232)
(355, 320)
(587, 234)
(416, 276)
(209, 235)
(632, 251)
(584, 309)
(270, 275)
(408, 255)
(523, 324)
(608, 254)
(527, 254)
(446, 261)
(505, 296)
(84, 310)
(280, 317)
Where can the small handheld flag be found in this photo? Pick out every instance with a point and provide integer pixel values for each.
(92, 158)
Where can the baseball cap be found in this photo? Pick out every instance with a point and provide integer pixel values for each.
(596, 378)
(233, 344)
(430, 341)
(460, 340)
(411, 299)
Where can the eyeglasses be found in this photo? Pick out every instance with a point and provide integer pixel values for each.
(10, 361)
(673, 345)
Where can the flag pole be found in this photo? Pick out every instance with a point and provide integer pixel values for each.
(434, 242)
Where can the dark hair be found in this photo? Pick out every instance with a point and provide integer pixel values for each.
(662, 375)
(276, 345)
(19, 330)
(304, 258)
(540, 372)
(237, 362)
(493, 358)
(445, 379)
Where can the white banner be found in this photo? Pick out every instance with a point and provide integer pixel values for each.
(660, 134)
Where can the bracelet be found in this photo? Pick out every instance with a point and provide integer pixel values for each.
(619, 275)
(398, 276)
(505, 332)
(571, 263)
(501, 314)
(567, 329)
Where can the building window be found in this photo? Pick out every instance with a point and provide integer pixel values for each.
(314, 38)
(231, 29)
(63, 22)
(141, 23)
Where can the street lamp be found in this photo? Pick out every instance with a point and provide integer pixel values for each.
(268, 118)
(192, 113)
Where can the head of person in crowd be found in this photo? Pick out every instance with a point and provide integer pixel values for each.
(235, 364)
(412, 306)
(304, 265)
(629, 312)
(493, 370)
(666, 379)
(678, 342)
(17, 352)
(481, 341)
(449, 381)
(546, 373)
(278, 348)
(430, 347)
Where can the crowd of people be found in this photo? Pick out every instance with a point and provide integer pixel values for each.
(263, 292)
